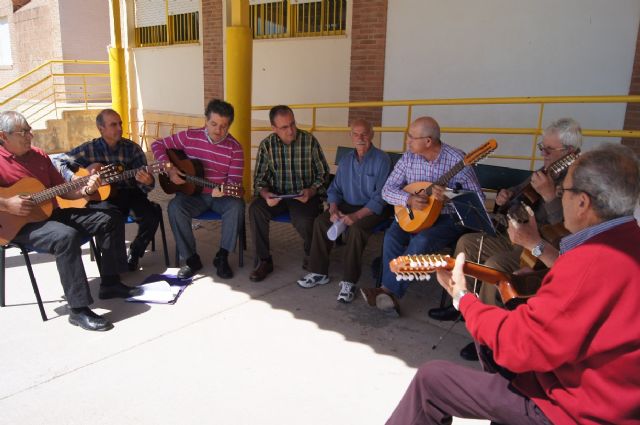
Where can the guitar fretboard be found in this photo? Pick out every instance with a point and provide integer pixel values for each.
(59, 190)
(201, 182)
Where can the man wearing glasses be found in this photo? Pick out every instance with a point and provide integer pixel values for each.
(290, 175)
(503, 252)
(427, 159)
(62, 233)
(573, 347)
(222, 160)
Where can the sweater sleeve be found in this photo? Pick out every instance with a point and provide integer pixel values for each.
(551, 328)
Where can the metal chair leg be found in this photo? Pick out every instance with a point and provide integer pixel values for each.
(2, 266)
(34, 284)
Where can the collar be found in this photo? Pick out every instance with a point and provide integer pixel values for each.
(576, 239)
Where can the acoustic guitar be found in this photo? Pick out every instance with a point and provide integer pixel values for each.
(33, 189)
(193, 172)
(414, 221)
(418, 267)
(106, 190)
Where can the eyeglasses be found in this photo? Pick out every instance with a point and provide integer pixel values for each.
(410, 137)
(547, 150)
(24, 132)
(560, 191)
(290, 126)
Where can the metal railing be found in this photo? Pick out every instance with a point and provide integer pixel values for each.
(147, 131)
(58, 85)
(182, 28)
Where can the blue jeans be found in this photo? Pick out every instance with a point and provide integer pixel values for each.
(183, 208)
(444, 232)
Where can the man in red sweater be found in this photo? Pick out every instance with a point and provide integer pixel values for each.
(575, 346)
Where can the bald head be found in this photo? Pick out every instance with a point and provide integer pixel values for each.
(427, 127)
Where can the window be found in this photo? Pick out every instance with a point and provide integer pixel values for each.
(297, 18)
(5, 42)
(163, 22)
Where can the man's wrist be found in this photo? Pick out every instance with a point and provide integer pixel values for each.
(457, 296)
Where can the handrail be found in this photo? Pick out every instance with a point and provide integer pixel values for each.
(49, 62)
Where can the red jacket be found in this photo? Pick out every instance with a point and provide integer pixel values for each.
(576, 344)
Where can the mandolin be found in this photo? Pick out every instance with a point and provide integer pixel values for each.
(106, 190)
(33, 189)
(418, 267)
(193, 173)
(414, 221)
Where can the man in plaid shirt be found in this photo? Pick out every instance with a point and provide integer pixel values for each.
(427, 159)
(290, 162)
(128, 196)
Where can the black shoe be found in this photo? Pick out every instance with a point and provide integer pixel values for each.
(469, 352)
(193, 265)
(88, 320)
(115, 290)
(132, 261)
(444, 314)
(222, 265)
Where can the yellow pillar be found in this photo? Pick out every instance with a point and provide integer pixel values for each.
(238, 80)
(117, 71)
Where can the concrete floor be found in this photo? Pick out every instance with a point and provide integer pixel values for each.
(228, 352)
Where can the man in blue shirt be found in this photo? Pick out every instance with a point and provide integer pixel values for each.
(355, 200)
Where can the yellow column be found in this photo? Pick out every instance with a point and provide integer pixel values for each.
(238, 80)
(118, 75)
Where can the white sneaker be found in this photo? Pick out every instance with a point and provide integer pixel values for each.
(347, 292)
(313, 279)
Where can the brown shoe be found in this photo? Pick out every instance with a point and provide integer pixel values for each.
(264, 268)
(385, 301)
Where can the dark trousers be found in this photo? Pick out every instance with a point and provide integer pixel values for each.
(146, 214)
(62, 236)
(302, 217)
(441, 389)
(355, 237)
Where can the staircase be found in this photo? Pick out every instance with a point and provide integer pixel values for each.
(73, 129)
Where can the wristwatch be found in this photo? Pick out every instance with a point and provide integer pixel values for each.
(537, 250)
(457, 297)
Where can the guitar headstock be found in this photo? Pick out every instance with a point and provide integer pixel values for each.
(418, 267)
(480, 152)
(159, 167)
(232, 189)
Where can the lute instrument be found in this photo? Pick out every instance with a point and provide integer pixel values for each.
(413, 220)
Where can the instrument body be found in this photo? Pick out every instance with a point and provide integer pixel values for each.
(193, 171)
(33, 189)
(414, 221)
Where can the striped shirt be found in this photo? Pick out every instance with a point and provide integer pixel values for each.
(415, 168)
(571, 241)
(287, 169)
(127, 153)
(223, 162)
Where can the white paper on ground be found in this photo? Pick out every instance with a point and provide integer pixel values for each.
(157, 292)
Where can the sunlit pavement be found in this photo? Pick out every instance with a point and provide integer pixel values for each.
(228, 352)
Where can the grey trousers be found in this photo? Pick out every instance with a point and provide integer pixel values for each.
(355, 238)
(62, 237)
(442, 389)
(183, 208)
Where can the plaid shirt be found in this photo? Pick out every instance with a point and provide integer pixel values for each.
(127, 153)
(415, 168)
(287, 169)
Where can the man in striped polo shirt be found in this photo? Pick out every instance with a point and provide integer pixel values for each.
(290, 174)
(223, 162)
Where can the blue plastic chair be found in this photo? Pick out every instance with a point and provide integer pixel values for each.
(163, 234)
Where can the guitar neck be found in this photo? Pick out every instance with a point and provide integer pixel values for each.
(59, 190)
(444, 179)
(484, 273)
(201, 182)
(127, 174)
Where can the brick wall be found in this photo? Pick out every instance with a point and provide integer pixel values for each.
(212, 52)
(368, 41)
(632, 117)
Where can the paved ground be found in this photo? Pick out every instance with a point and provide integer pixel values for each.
(228, 352)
